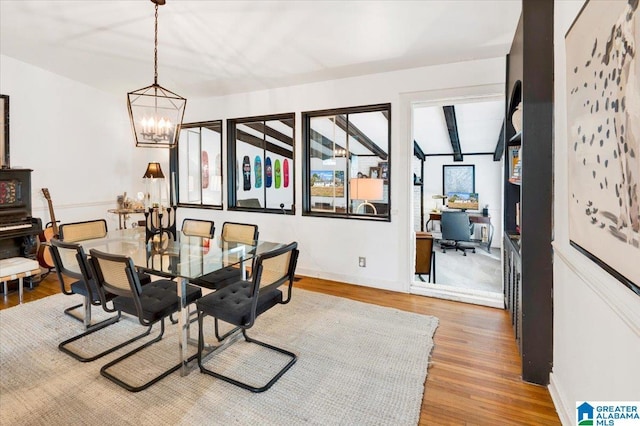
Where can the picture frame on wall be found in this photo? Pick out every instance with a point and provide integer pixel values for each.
(384, 170)
(604, 139)
(458, 178)
(375, 172)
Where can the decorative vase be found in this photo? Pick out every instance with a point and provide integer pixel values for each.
(516, 118)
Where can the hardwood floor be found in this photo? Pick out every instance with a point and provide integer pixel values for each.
(474, 376)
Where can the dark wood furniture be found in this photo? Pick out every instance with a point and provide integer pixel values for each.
(528, 195)
(425, 258)
(18, 229)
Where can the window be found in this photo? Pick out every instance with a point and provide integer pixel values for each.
(347, 163)
(199, 160)
(261, 163)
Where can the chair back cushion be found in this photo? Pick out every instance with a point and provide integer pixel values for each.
(198, 228)
(79, 231)
(275, 270)
(115, 274)
(239, 232)
(455, 226)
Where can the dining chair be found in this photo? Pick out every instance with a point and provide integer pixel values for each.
(198, 228)
(151, 304)
(242, 302)
(71, 261)
(72, 233)
(232, 232)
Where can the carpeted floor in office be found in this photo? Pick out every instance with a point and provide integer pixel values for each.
(357, 364)
(478, 271)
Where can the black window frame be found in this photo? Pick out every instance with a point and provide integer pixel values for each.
(174, 166)
(306, 117)
(232, 172)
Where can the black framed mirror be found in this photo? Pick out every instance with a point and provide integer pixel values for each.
(4, 133)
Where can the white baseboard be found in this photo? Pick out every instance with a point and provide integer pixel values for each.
(565, 413)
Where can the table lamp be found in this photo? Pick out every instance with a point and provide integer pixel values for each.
(439, 197)
(366, 189)
(154, 181)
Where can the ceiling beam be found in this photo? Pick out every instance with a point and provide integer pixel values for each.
(325, 142)
(356, 133)
(257, 142)
(452, 127)
(269, 131)
(417, 151)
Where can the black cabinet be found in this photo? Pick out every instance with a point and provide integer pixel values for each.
(528, 189)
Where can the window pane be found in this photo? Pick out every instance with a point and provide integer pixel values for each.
(348, 161)
(264, 158)
(200, 164)
(328, 162)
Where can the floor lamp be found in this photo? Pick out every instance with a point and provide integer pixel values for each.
(367, 190)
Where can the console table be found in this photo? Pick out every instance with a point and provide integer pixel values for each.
(473, 218)
(123, 215)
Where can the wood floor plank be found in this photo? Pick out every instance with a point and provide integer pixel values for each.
(474, 375)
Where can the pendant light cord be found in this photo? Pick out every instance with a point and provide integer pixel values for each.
(155, 51)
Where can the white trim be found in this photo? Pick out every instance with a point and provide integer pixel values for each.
(476, 297)
(623, 303)
(564, 412)
(408, 101)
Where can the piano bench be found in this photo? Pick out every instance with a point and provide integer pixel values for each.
(16, 268)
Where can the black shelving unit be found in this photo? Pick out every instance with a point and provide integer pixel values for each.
(528, 267)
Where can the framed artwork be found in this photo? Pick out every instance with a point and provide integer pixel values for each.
(603, 103)
(4, 131)
(375, 172)
(384, 170)
(458, 178)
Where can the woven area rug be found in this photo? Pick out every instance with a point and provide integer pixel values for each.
(357, 364)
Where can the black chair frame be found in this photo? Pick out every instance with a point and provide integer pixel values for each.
(254, 312)
(85, 286)
(130, 301)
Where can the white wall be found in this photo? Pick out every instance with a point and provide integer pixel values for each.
(77, 140)
(596, 319)
(488, 186)
(330, 247)
(83, 151)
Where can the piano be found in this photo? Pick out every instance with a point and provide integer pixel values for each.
(18, 229)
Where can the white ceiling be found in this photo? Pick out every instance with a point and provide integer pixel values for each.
(209, 48)
(479, 125)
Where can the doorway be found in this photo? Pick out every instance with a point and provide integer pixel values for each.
(454, 171)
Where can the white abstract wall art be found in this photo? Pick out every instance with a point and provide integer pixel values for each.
(603, 121)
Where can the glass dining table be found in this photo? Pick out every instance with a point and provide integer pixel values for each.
(186, 258)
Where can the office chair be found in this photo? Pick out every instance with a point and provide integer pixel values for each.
(456, 232)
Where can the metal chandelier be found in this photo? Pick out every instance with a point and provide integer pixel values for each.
(156, 113)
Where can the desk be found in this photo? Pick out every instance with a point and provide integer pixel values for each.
(186, 258)
(473, 218)
(123, 215)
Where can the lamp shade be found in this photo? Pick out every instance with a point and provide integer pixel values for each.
(153, 171)
(366, 189)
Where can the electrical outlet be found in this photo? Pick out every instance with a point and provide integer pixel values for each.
(362, 262)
